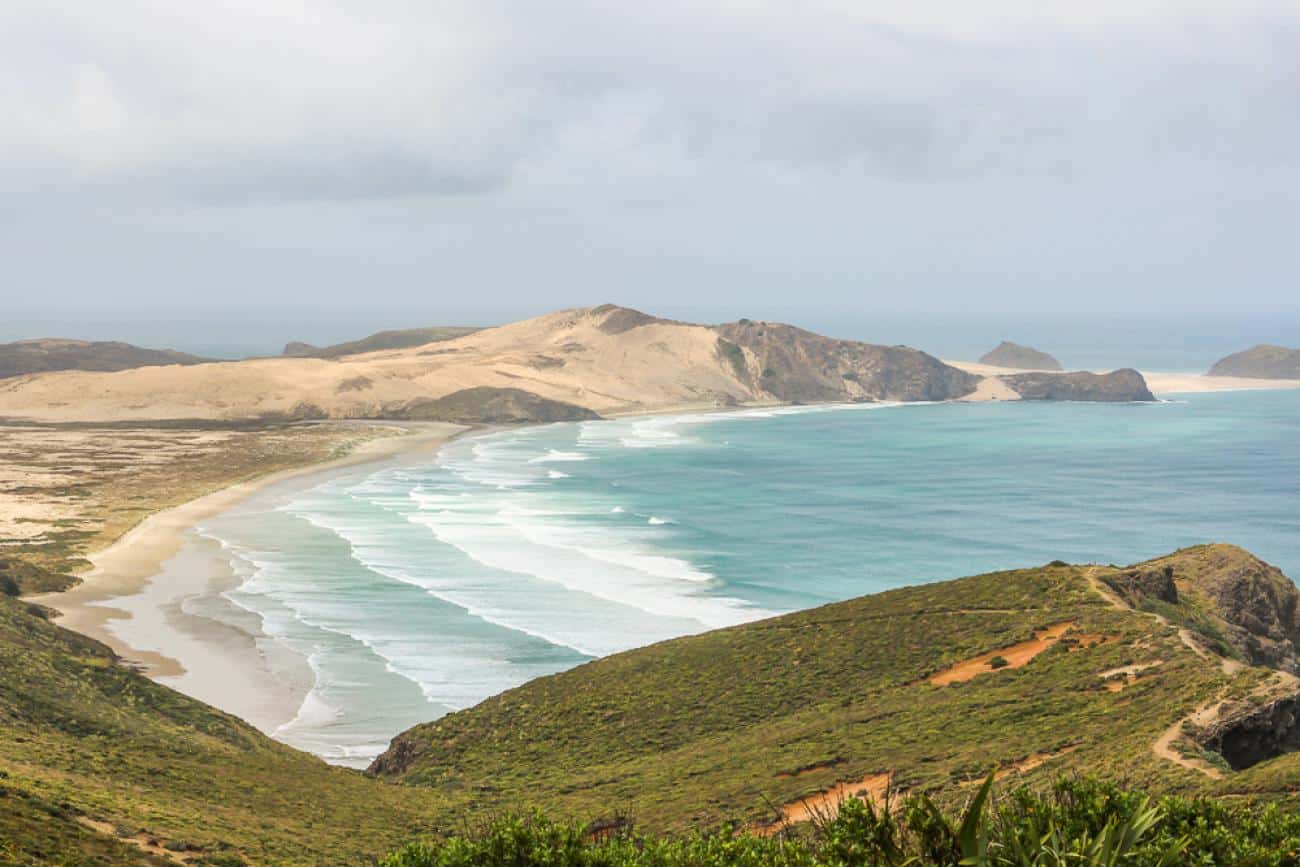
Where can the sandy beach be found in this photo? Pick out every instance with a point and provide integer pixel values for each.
(154, 595)
(133, 598)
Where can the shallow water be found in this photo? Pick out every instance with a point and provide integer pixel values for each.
(425, 587)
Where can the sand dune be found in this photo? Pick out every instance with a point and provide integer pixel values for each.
(605, 359)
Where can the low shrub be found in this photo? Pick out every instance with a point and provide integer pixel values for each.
(1083, 823)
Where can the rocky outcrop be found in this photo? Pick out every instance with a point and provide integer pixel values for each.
(298, 349)
(1251, 735)
(789, 364)
(1226, 594)
(50, 354)
(1260, 362)
(1017, 357)
(487, 405)
(1143, 582)
(1118, 386)
(1257, 606)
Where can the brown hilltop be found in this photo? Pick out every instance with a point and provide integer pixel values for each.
(1017, 357)
(1260, 362)
(49, 354)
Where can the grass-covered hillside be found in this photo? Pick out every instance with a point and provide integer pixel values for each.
(99, 764)
(1137, 675)
(743, 723)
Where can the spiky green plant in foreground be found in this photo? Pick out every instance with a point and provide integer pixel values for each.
(1080, 823)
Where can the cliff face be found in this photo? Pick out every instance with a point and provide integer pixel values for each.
(794, 365)
(1017, 357)
(1260, 362)
(1258, 606)
(1117, 386)
(41, 356)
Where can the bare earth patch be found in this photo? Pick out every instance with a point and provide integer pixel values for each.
(1015, 656)
(826, 804)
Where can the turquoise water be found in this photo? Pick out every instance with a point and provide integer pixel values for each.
(425, 587)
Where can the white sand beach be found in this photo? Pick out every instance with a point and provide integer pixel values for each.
(133, 598)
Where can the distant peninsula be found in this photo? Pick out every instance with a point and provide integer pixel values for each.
(1260, 362)
(569, 365)
(1017, 357)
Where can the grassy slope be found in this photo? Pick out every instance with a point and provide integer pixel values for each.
(720, 726)
(683, 734)
(80, 734)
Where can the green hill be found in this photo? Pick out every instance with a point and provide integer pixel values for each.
(97, 761)
(743, 722)
(1172, 676)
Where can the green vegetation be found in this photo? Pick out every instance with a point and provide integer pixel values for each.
(723, 730)
(20, 578)
(84, 739)
(74, 489)
(727, 725)
(1083, 823)
(721, 726)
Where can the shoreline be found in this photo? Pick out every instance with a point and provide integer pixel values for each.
(138, 595)
(123, 587)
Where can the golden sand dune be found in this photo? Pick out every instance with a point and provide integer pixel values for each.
(605, 360)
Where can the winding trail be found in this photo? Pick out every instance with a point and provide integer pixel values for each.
(1207, 714)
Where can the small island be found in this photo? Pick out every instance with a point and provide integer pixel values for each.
(1260, 362)
(1017, 357)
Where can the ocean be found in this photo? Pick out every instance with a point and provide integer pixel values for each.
(419, 588)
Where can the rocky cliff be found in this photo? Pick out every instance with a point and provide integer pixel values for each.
(1117, 386)
(796, 366)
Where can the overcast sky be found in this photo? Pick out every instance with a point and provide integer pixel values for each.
(383, 162)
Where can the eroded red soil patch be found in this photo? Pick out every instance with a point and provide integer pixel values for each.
(826, 803)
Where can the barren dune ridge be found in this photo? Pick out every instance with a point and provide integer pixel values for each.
(604, 359)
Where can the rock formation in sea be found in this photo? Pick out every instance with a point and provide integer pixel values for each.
(1017, 357)
(1260, 362)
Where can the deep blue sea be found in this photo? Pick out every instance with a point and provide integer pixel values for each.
(423, 587)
